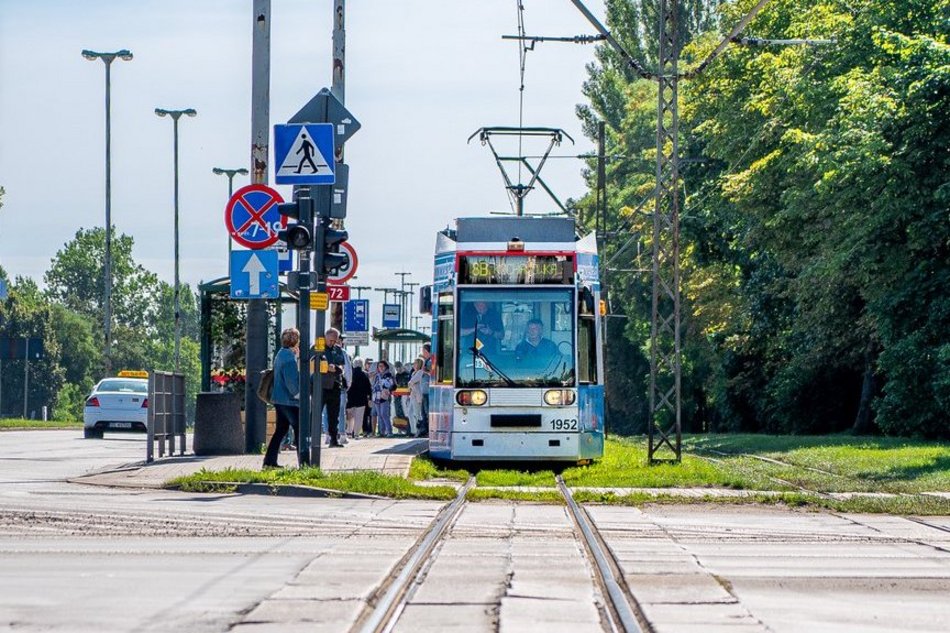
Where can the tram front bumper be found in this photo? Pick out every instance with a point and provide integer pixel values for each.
(530, 446)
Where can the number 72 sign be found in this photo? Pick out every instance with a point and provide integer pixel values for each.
(338, 293)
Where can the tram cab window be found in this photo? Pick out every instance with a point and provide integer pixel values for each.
(445, 351)
(586, 338)
(516, 337)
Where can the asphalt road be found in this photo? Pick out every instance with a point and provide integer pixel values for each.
(75, 557)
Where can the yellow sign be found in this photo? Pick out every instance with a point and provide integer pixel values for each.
(319, 301)
(133, 373)
(320, 344)
(324, 366)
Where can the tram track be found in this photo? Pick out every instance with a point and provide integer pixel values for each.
(620, 612)
(623, 609)
(384, 608)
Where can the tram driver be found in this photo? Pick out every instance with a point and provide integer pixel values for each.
(536, 348)
(482, 320)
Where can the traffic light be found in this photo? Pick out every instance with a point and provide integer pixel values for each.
(297, 235)
(333, 259)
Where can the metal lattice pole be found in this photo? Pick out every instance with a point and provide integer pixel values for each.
(665, 396)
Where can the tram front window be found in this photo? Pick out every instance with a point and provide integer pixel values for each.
(520, 337)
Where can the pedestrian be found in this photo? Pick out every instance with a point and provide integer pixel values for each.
(332, 383)
(358, 397)
(369, 419)
(426, 378)
(383, 386)
(347, 380)
(285, 393)
(415, 396)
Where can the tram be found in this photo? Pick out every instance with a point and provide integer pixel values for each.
(516, 336)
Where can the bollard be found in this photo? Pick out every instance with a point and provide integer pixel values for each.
(45, 414)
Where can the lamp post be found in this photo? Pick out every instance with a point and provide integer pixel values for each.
(230, 173)
(175, 115)
(107, 59)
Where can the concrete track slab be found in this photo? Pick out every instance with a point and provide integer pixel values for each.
(779, 570)
(455, 618)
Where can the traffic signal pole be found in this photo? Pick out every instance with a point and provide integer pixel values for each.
(320, 325)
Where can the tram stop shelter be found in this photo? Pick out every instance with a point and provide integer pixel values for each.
(218, 290)
(399, 344)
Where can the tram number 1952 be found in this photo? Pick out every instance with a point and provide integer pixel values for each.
(564, 424)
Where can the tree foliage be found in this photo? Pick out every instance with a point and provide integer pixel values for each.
(815, 240)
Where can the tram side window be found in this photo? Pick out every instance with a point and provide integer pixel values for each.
(586, 351)
(445, 354)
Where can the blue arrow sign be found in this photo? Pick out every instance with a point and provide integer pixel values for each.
(254, 275)
(304, 154)
(356, 315)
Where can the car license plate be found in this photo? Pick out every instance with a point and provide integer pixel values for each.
(121, 425)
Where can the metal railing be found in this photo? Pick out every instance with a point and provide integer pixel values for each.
(166, 413)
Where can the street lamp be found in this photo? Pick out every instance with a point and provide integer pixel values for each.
(175, 115)
(107, 59)
(230, 173)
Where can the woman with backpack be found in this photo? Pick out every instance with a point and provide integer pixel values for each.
(285, 393)
(383, 385)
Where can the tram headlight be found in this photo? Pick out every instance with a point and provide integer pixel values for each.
(559, 397)
(471, 398)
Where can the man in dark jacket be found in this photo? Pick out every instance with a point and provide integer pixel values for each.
(332, 383)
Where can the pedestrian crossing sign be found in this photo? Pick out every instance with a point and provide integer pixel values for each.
(304, 154)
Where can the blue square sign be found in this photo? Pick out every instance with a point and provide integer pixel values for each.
(254, 275)
(304, 154)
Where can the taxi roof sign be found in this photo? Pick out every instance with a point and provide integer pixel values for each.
(133, 373)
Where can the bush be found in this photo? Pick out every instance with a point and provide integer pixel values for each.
(70, 403)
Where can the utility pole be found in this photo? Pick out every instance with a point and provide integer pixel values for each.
(337, 89)
(175, 115)
(402, 302)
(107, 59)
(410, 294)
(255, 424)
(665, 350)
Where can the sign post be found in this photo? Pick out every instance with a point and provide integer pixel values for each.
(314, 148)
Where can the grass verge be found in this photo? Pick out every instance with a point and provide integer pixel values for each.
(846, 463)
(423, 469)
(624, 465)
(363, 482)
(920, 505)
(23, 424)
(513, 494)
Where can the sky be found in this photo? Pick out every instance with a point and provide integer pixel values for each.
(421, 77)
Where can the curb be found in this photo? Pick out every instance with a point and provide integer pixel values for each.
(287, 490)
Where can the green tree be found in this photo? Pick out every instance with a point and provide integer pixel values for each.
(27, 314)
(815, 230)
(76, 280)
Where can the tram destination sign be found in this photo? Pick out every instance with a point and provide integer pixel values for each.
(516, 269)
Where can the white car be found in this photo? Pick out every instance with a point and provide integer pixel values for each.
(116, 404)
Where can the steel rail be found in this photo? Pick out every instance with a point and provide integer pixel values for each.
(384, 614)
(622, 603)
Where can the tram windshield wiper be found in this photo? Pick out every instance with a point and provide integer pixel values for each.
(477, 352)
